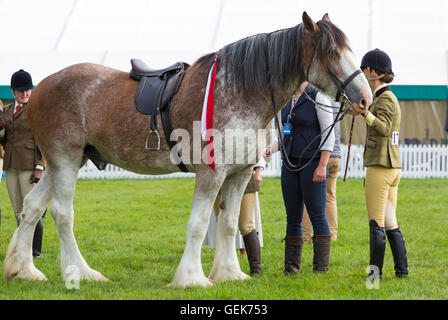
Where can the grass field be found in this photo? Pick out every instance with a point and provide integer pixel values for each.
(134, 232)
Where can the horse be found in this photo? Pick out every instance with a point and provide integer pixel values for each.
(92, 105)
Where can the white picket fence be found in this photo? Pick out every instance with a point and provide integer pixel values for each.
(419, 162)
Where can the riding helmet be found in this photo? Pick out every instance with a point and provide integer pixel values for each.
(21, 80)
(378, 60)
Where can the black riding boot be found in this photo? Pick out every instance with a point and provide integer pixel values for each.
(37, 239)
(377, 248)
(293, 254)
(321, 247)
(252, 245)
(398, 247)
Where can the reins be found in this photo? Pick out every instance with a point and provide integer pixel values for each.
(341, 96)
(349, 145)
(295, 167)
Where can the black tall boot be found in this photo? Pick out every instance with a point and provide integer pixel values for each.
(293, 254)
(398, 247)
(252, 245)
(37, 239)
(377, 249)
(321, 247)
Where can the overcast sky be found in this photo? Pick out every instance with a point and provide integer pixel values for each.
(44, 36)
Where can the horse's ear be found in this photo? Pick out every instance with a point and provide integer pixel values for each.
(309, 24)
(326, 18)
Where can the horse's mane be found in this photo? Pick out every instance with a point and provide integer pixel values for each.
(269, 60)
(333, 42)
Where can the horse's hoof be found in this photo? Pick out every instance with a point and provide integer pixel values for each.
(242, 276)
(88, 274)
(18, 266)
(96, 276)
(31, 273)
(229, 276)
(203, 282)
(93, 275)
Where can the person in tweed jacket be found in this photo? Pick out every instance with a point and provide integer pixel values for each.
(382, 159)
(22, 162)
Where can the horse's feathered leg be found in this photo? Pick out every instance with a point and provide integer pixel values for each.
(19, 261)
(190, 272)
(73, 265)
(225, 263)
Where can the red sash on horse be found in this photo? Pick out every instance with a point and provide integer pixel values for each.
(207, 114)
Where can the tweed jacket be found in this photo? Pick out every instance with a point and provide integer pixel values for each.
(382, 139)
(21, 151)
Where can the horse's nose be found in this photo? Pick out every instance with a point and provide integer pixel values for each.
(364, 103)
(366, 100)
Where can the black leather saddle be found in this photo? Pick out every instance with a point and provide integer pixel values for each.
(154, 94)
(156, 87)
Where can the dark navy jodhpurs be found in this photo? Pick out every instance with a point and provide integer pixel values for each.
(298, 190)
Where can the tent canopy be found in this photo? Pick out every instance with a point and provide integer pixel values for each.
(47, 35)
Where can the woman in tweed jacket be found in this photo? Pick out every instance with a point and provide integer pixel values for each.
(382, 159)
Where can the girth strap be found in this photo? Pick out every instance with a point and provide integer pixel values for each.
(168, 129)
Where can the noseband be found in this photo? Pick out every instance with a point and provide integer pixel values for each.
(341, 96)
(342, 85)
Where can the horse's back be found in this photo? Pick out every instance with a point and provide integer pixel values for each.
(78, 79)
(73, 89)
(89, 104)
(62, 105)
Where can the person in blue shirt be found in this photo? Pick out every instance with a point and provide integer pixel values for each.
(334, 165)
(303, 120)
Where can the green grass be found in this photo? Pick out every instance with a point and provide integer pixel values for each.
(134, 232)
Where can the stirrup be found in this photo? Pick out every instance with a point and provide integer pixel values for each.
(158, 140)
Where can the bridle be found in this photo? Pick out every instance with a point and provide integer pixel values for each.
(341, 96)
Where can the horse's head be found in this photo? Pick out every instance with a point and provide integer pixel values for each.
(329, 63)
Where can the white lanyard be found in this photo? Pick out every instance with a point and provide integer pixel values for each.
(293, 104)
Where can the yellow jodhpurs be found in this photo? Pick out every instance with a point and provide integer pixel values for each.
(381, 188)
(246, 219)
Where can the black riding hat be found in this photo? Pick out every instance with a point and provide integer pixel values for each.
(378, 60)
(21, 80)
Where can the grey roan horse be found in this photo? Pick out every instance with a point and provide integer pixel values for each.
(88, 104)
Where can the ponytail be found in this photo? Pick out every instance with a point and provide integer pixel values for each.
(388, 78)
(382, 76)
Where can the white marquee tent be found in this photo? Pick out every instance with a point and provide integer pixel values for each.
(47, 35)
